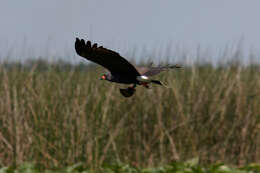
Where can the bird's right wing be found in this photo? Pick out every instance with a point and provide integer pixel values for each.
(107, 58)
(151, 71)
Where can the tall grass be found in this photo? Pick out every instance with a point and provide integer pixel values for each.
(57, 116)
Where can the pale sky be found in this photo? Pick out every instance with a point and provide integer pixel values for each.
(39, 28)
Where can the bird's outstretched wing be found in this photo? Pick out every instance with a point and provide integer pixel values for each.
(107, 58)
(151, 71)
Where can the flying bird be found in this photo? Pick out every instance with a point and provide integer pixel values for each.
(120, 70)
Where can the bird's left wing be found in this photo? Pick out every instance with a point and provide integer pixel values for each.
(107, 58)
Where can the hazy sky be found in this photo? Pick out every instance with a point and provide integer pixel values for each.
(37, 28)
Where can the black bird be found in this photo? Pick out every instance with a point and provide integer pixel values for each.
(120, 70)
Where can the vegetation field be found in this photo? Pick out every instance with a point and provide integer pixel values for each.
(190, 166)
(56, 115)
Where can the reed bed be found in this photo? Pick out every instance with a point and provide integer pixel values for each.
(57, 115)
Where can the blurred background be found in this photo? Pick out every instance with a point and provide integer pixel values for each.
(42, 28)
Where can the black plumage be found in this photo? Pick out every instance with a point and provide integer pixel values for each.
(121, 71)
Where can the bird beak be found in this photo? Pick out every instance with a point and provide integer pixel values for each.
(103, 77)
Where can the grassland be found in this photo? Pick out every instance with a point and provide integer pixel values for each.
(58, 115)
(190, 166)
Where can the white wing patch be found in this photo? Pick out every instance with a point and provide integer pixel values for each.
(143, 79)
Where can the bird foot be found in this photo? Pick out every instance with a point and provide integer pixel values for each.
(128, 92)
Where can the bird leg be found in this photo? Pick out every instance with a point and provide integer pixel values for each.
(159, 83)
(145, 84)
